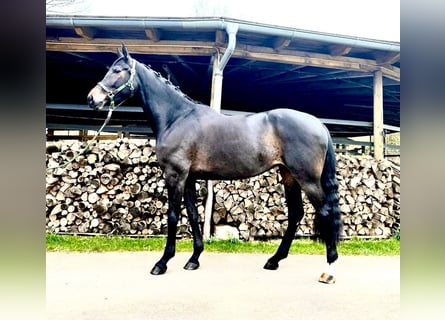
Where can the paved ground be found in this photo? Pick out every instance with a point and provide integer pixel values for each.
(117, 285)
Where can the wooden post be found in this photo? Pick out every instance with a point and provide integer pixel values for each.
(378, 115)
(215, 103)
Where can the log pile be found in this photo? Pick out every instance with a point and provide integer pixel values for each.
(117, 187)
(369, 196)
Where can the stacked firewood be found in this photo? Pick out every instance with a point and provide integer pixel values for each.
(369, 200)
(117, 187)
(257, 206)
(114, 188)
(369, 194)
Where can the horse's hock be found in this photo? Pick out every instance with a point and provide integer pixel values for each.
(117, 187)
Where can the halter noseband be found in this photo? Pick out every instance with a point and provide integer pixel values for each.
(112, 93)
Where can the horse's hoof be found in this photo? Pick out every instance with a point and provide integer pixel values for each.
(326, 278)
(191, 266)
(271, 266)
(157, 270)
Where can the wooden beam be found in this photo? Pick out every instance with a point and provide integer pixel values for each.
(282, 43)
(336, 75)
(153, 34)
(220, 38)
(200, 48)
(309, 59)
(339, 50)
(135, 46)
(185, 65)
(240, 66)
(391, 72)
(87, 33)
(208, 74)
(378, 116)
(170, 75)
(284, 74)
(389, 58)
(305, 58)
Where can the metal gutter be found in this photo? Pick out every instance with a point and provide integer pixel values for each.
(208, 24)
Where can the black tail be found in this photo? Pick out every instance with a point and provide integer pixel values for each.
(328, 220)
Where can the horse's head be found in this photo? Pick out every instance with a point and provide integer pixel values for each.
(118, 84)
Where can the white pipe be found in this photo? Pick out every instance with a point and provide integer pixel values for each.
(215, 103)
(231, 30)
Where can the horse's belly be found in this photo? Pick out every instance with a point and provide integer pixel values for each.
(236, 165)
(239, 148)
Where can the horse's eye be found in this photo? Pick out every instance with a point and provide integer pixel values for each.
(117, 69)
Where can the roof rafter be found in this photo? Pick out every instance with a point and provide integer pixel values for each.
(282, 43)
(340, 50)
(84, 32)
(153, 34)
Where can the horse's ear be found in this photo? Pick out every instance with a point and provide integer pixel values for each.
(125, 52)
(119, 52)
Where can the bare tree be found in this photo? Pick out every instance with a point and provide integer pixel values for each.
(66, 6)
(209, 8)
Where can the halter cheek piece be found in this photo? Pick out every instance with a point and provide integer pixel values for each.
(112, 93)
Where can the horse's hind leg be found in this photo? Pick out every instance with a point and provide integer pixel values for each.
(327, 224)
(295, 214)
(192, 212)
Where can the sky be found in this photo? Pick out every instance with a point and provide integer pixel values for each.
(375, 19)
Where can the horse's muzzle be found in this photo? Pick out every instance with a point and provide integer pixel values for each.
(96, 99)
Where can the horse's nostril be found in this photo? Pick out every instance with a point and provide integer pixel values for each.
(90, 100)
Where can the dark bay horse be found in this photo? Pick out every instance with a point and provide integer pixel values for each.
(196, 142)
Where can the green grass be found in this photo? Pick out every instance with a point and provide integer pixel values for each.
(69, 243)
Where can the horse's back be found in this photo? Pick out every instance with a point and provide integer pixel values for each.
(297, 119)
(298, 127)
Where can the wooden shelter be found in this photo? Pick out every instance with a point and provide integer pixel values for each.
(352, 84)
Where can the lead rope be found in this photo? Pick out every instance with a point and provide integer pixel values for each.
(111, 94)
(110, 111)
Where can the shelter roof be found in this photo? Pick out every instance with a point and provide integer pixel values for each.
(328, 75)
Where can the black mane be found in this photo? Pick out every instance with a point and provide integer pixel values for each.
(169, 83)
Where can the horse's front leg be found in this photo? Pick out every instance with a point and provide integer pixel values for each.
(190, 204)
(175, 187)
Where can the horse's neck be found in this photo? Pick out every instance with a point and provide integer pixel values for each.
(162, 102)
